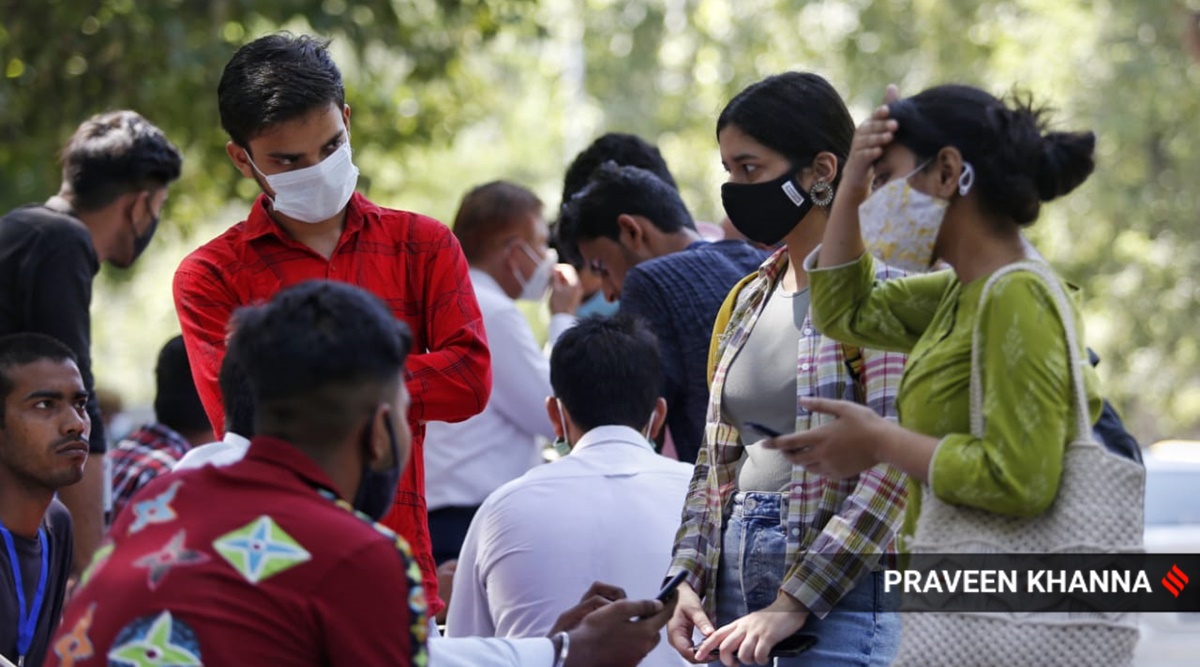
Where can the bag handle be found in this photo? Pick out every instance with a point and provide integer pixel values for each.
(1082, 423)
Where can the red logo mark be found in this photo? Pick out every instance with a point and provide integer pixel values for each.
(1175, 580)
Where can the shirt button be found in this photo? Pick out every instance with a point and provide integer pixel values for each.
(804, 366)
(808, 331)
(795, 532)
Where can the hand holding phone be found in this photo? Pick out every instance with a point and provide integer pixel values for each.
(669, 588)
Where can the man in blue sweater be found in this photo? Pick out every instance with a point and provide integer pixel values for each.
(635, 232)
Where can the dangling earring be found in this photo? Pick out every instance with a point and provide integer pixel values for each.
(821, 193)
(966, 179)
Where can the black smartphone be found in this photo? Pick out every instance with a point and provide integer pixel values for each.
(764, 429)
(793, 645)
(669, 588)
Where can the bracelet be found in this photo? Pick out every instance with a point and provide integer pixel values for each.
(564, 648)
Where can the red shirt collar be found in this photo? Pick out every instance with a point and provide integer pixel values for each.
(281, 454)
(260, 223)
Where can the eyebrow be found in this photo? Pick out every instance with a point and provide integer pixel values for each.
(297, 156)
(50, 393)
(744, 156)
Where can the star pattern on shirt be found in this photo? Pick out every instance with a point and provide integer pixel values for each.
(76, 646)
(173, 554)
(165, 642)
(260, 550)
(99, 558)
(154, 510)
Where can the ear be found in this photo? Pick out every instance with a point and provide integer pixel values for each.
(346, 118)
(630, 232)
(824, 167)
(237, 155)
(379, 445)
(658, 418)
(948, 166)
(554, 415)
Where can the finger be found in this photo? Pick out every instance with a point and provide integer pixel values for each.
(891, 94)
(881, 112)
(794, 441)
(634, 609)
(592, 604)
(730, 646)
(700, 621)
(604, 590)
(762, 652)
(828, 406)
(747, 650)
(712, 641)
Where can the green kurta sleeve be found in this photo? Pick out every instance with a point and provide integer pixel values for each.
(1015, 467)
(851, 306)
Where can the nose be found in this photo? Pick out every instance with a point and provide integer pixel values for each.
(77, 423)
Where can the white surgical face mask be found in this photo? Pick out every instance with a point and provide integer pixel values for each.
(900, 224)
(317, 193)
(534, 287)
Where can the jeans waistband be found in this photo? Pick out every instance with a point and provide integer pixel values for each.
(759, 505)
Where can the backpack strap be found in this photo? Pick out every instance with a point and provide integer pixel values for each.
(852, 355)
(723, 316)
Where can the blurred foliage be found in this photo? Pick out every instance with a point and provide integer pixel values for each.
(449, 94)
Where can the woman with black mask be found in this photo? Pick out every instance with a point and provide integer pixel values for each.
(770, 549)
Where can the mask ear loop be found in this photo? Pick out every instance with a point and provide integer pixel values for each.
(562, 421)
(966, 179)
(650, 425)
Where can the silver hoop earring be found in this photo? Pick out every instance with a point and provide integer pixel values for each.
(966, 179)
(821, 193)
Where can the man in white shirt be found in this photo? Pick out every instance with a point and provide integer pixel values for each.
(607, 512)
(238, 403)
(504, 238)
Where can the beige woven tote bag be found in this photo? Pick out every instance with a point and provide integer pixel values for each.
(1099, 509)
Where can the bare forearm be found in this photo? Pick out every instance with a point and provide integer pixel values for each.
(85, 500)
(910, 452)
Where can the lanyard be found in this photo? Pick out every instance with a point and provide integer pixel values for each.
(27, 619)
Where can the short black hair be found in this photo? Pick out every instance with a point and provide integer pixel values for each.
(237, 397)
(795, 114)
(275, 79)
(319, 357)
(624, 149)
(607, 371)
(20, 349)
(176, 402)
(115, 153)
(487, 212)
(1018, 164)
(614, 191)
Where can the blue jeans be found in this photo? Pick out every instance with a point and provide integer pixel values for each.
(753, 561)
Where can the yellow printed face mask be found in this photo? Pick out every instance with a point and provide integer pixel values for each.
(900, 224)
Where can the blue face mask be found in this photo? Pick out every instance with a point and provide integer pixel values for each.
(597, 305)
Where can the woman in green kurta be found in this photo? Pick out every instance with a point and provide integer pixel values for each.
(955, 174)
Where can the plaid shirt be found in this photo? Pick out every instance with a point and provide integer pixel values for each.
(148, 452)
(838, 530)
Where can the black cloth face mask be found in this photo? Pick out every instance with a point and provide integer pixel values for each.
(377, 490)
(766, 212)
(140, 243)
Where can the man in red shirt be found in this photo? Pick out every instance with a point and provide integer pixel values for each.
(264, 562)
(283, 105)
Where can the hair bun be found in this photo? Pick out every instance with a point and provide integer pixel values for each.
(1067, 159)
